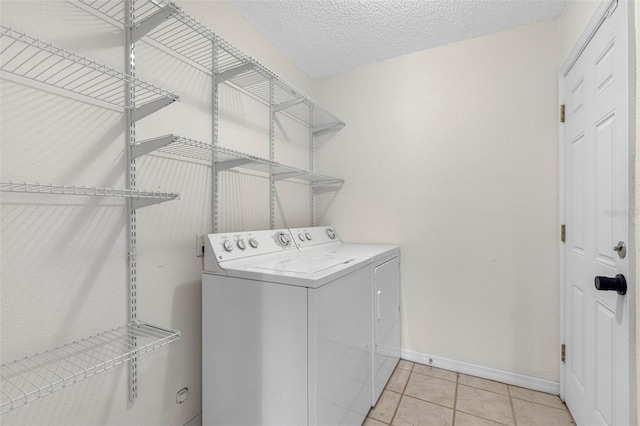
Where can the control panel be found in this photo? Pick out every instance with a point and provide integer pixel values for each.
(238, 245)
(308, 237)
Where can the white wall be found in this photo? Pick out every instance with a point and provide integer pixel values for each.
(64, 259)
(575, 16)
(452, 153)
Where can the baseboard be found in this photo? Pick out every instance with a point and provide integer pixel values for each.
(515, 379)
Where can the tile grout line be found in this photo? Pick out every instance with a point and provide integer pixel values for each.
(513, 410)
(541, 403)
(402, 394)
(455, 400)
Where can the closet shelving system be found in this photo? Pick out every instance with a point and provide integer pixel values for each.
(32, 60)
(165, 25)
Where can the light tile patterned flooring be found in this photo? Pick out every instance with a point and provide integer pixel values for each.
(423, 395)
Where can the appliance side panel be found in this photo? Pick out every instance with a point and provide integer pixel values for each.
(341, 313)
(254, 352)
(386, 320)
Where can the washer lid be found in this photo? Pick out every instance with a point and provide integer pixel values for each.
(304, 264)
(298, 270)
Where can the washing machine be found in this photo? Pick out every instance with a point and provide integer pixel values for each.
(286, 337)
(384, 269)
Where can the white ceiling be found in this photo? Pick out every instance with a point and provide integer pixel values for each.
(326, 37)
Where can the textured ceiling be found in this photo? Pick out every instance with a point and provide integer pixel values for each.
(326, 37)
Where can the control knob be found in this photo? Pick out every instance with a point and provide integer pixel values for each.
(301, 236)
(253, 242)
(308, 235)
(331, 233)
(227, 245)
(283, 239)
(241, 244)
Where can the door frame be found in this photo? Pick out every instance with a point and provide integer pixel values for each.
(596, 21)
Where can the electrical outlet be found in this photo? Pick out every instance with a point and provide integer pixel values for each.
(200, 244)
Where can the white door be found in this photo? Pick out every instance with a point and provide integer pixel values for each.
(596, 163)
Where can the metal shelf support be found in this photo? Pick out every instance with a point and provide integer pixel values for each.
(149, 108)
(230, 164)
(288, 104)
(287, 175)
(272, 154)
(229, 74)
(312, 164)
(132, 252)
(327, 128)
(145, 147)
(145, 26)
(138, 203)
(214, 136)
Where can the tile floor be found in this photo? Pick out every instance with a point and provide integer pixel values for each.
(422, 395)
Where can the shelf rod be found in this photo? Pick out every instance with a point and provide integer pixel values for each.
(229, 74)
(151, 22)
(288, 104)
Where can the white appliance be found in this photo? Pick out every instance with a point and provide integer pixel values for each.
(385, 289)
(286, 336)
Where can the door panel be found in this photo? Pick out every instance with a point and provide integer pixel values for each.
(605, 182)
(596, 137)
(577, 178)
(577, 334)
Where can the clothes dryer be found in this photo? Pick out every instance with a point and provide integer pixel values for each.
(384, 270)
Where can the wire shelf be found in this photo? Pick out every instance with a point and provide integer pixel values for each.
(193, 42)
(277, 170)
(60, 189)
(39, 375)
(227, 158)
(256, 80)
(35, 60)
(182, 34)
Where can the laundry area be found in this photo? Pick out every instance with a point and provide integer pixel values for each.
(310, 212)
